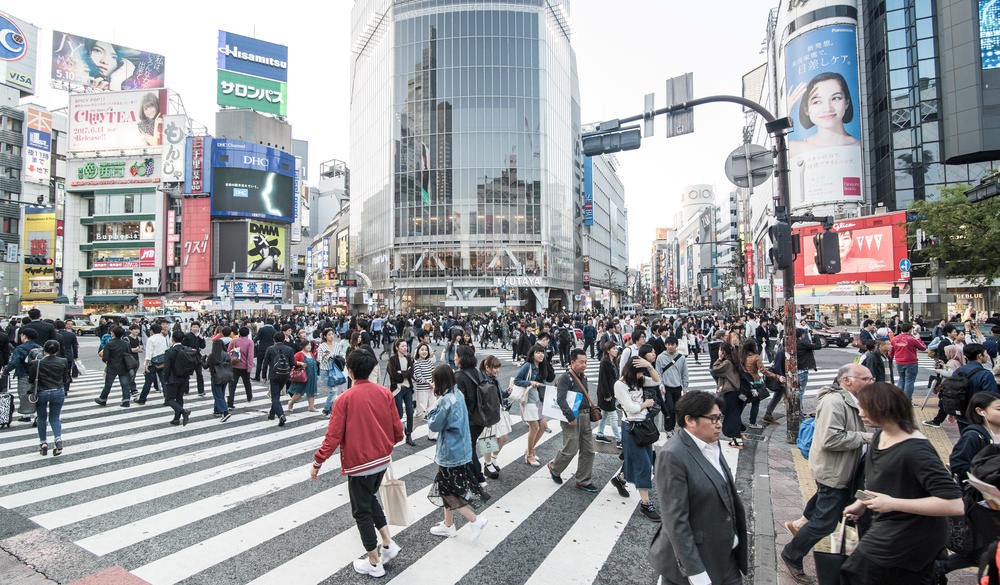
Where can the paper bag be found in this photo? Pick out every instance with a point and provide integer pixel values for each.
(392, 494)
(550, 408)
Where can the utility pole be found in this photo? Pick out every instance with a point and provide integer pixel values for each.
(612, 137)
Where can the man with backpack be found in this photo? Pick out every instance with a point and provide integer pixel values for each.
(241, 352)
(113, 354)
(154, 364)
(278, 360)
(964, 382)
(180, 362)
(481, 401)
(838, 439)
(195, 341)
(18, 360)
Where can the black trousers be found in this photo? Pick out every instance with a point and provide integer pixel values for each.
(365, 507)
(201, 380)
(670, 396)
(475, 466)
(240, 374)
(260, 364)
(175, 392)
(589, 344)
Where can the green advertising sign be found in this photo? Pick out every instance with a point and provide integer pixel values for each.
(245, 91)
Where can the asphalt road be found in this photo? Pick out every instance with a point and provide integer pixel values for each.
(232, 503)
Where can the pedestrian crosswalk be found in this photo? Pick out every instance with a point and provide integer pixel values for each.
(232, 502)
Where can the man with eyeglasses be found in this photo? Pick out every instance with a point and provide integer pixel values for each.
(838, 441)
(703, 532)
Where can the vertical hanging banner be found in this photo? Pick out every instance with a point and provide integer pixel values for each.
(297, 202)
(174, 142)
(196, 245)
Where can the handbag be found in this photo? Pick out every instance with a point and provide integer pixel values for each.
(334, 376)
(517, 393)
(299, 374)
(487, 444)
(644, 432)
(392, 494)
(828, 563)
(595, 412)
(79, 368)
(131, 362)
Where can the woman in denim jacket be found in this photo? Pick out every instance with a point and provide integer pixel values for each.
(454, 486)
(531, 409)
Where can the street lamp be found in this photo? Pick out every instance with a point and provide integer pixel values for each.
(76, 289)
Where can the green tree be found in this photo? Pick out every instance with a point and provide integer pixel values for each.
(967, 235)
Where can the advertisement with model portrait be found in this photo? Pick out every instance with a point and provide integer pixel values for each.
(115, 121)
(870, 250)
(822, 98)
(265, 248)
(85, 64)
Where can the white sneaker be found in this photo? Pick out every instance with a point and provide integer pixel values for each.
(476, 528)
(387, 554)
(365, 567)
(440, 529)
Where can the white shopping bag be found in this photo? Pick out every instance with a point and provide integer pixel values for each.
(550, 408)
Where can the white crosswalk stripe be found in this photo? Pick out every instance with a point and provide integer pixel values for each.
(232, 503)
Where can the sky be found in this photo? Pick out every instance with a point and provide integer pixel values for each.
(624, 49)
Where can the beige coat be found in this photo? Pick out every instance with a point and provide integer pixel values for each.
(838, 437)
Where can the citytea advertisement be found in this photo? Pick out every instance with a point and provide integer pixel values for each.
(85, 64)
(265, 247)
(250, 180)
(870, 250)
(115, 121)
(18, 53)
(37, 282)
(821, 93)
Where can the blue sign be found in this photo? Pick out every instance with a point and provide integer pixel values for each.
(904, 265)
(13, 44)
(252, 56)
(588, 191)
(40, 140)
(251, 180)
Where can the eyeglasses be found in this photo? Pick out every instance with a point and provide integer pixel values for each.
(862, 378)
(715, 418)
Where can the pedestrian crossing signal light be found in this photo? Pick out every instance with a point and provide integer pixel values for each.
(827, 252)
(782, 254)
(895, 292)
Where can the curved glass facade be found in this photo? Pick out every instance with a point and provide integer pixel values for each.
(464, 130)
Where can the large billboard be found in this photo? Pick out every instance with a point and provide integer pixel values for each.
(37, 280)
(989, 33)
(822, 98)
(870, 250)
(37, 147)
(250, 180)
(116, 172)
(116, 121)
(265, 248)
(252, 56)
(196, 245)
(245, 91)
(18, 53)
(85, 64)
(133, 258)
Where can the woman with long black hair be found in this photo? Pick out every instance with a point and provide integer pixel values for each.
(220, 370)
(727, 372)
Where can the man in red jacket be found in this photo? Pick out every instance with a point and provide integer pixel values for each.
(366, 427)
(904, 353)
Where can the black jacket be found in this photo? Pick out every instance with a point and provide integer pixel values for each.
(271, 355)
(396, 375)
(264, 339)
(194, 341)
(467, 380)
(805, 355)
(114, 356)
(46, 330)
(606, 378)
(974, 437)
(70, 347)
(50, 371)
(875, 363)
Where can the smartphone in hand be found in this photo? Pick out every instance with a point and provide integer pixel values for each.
(863, 495)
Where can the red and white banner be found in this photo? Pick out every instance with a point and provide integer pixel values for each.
(196, 244)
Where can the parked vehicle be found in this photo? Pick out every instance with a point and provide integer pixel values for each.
(826, 335)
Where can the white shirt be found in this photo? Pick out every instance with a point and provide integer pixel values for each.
(712, 453)
(155, 345)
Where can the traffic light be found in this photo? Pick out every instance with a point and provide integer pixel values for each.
(782, 254)
(895, 292)
(827, 252)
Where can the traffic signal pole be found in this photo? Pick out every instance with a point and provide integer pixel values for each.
(608, 139)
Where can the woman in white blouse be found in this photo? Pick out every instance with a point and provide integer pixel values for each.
(636, 401)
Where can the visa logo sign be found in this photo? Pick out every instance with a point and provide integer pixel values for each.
(20, 79)
(241, 192)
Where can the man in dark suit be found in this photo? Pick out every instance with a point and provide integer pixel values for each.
(45, 330)
(263, 340)
(195, 341)
(703, 535)
(69, 349)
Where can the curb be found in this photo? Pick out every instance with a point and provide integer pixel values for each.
(764, 545)
(32, 554)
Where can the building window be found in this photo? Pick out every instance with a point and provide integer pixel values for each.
(10, 225)
(130, 204)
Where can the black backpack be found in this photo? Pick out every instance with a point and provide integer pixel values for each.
(186, 361)
(954, 397)
(280, 368)
(487, 410)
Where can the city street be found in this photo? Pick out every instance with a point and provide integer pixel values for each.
(232, 502)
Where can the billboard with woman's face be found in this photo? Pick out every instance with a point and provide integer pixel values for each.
(85, 64)
(821, 97)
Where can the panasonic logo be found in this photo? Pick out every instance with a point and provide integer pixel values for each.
(235, 52)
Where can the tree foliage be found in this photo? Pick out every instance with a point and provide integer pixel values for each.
(966, 236)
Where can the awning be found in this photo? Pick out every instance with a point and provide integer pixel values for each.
(62, 300)
(110, 299)
(193, 298)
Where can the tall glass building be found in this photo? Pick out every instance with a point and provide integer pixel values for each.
(466, 168)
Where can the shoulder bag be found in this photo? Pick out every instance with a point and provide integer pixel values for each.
(595, 412)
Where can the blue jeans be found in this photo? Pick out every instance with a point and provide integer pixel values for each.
(907, 377)
(50, 403)
(219, 396)
(803, 382)
(824, 511)
(610, 417)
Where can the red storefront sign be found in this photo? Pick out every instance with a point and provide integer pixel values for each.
(196, 245)
(749, 263)
(151, 302)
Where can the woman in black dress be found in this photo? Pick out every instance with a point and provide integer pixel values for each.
(910, 492)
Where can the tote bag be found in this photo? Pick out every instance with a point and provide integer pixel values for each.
(392, 494)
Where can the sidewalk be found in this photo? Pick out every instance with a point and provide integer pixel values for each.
(783, 484)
